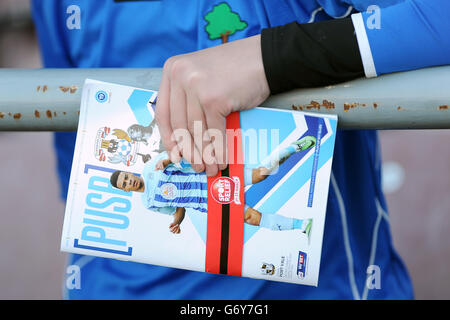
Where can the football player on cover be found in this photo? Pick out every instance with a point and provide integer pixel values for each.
(171, 188)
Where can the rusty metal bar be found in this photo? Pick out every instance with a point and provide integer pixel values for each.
(48, 99)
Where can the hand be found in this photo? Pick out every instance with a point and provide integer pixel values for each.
(198, 90)
(162, 164)
(178, 217)
(159, 165)
(174, 228)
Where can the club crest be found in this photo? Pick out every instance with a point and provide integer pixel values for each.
(115, 147)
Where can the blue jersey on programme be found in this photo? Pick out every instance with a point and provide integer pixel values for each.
(175, 186)
(106, 33)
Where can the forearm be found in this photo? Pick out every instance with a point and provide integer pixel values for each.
(178, 217)
(310, 55)
(410, 35)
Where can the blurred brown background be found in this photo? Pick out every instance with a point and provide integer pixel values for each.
(32, 267)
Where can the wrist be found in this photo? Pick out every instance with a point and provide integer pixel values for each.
(310, 55)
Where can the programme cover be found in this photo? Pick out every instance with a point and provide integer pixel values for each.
(262, 217)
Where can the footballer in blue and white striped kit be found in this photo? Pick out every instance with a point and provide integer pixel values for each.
(170, 188)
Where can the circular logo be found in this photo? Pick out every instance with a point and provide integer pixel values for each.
(101, 96)
(123, 147)
(222, 190)
(169, 191)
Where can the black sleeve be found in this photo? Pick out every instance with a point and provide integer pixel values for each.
(310, 55)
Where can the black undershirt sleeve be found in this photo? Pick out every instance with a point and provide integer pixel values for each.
(310, 55)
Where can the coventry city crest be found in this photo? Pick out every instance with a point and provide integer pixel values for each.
(115, 147)
(118, 146)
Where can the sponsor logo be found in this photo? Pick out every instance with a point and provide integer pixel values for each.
(226, 190)
(267, 269)
(301, 264)
(169, 191)
(101, 96)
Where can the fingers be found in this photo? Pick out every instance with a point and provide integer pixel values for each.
(162, 115)
(217, 125)
(199, 131)
(179, 111)
(175, 228)
(189, 128)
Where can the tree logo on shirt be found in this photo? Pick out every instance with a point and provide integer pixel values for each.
(222, 22)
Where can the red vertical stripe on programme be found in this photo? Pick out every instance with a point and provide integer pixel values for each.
(233, 258)
(213, 231)
(236, 169)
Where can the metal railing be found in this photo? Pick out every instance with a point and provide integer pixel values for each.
(49, 99)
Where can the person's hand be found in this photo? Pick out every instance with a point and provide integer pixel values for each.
(178, 217)
(198, 90)
(174, 228)
(159, 165)
(162, 164)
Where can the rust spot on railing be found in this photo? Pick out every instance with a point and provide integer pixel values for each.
(328, 104)
(17, 116)
(64, 89)
(43, 88)
(314, 105)
(37, 114)
(71, 89)
(444, 107)
(49, 114)
(2, 115)
(348, 106)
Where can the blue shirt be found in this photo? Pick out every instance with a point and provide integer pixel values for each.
(175, 186)
(146, 33)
